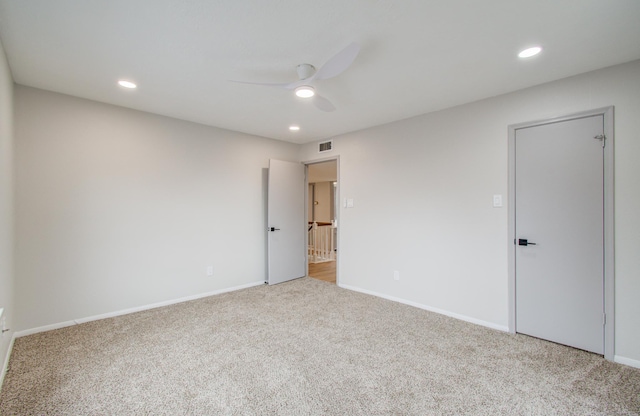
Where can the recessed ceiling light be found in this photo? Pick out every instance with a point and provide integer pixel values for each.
(127, 84)
(294, 128)
(528, 53)
(305, 91)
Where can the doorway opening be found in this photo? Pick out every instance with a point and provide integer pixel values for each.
(322, 220)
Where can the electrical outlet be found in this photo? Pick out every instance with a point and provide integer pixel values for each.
(209, 270)
(396, 275)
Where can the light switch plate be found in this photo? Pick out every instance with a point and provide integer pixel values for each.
(497, 201)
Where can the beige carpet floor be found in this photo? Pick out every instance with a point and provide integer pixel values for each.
(305, 348)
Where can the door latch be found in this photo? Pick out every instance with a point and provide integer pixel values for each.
(525, 242)
(273, 229)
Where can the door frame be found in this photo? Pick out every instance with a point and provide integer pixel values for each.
(306, 209)
(608, 220)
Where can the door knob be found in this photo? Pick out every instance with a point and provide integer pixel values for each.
(525, 242)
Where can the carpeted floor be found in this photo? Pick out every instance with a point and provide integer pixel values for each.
(305, 348)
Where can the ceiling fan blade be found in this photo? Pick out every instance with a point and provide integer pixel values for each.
(323, 104)
(338, 63)
(289, 85)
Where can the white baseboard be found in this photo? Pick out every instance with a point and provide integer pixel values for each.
(465, 318)
(5, 365)
(131, 310)
(626, 361)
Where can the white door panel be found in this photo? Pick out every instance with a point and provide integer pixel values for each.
(559, 207)
(285, 216)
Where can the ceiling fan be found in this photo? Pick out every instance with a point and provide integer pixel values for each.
(307, 74)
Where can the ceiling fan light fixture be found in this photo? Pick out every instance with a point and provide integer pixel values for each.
(305, 91)
(529, 52)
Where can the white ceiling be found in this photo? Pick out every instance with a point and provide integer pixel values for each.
(417, 56)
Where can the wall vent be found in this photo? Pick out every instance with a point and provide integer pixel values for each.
(325, 146)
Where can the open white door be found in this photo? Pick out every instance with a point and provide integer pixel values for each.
(286, 222)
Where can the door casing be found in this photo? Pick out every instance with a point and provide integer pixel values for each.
(608, 255)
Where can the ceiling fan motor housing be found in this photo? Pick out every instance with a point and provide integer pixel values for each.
(305, 71)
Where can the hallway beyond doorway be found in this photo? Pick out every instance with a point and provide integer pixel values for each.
(323, 271)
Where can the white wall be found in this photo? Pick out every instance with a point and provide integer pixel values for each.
(118, 209)
(6, 201)
(430, 181)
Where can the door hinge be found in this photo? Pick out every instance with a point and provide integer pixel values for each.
(601, 137)
(604, 319)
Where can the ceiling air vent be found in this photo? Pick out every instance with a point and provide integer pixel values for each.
(325, 146)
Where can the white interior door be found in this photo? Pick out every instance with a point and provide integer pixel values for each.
(559, 211)
(286, 222)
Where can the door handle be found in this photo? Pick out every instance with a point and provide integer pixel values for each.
(525, 242)
(273, 229)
